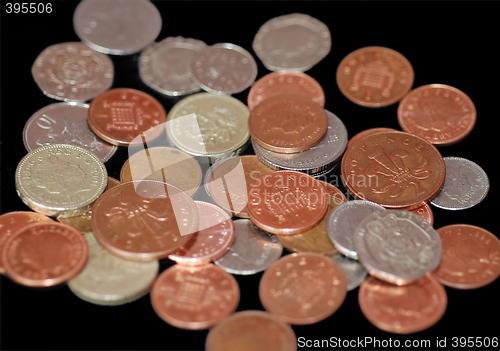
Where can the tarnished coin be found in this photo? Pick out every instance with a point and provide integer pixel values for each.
(72, 72)
(466, 184)
(165, 66)
(354, 272)
(252, 251)
(292, 42)
(60, 180)
(65, 123)
(117, 27)
(224, 68)
(397, 246)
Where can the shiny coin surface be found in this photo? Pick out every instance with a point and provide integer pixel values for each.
(65, 123)
(117, 27)
(288, 123)
(439, 113)
(110, 280)
(252, 251)
(166, 66)
(466, 184)
(367, 132)
(292, 42)
(375, 76)
(224, 68)
(397, 246)
(251, 330)
(44, 254)
(195, 297)
(72, 72)
(303, 288)
(60, 180)
(403, 309)
(354, 272)
(470, 259)
(424, 212)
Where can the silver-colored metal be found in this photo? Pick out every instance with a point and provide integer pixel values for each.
(466, 184)
(65, 123)
(343, 220)
(117, 27)
(224, 68)
(292, 42)
(252, 251)
(166, 66)
(397, 246)
(353, 270)
(72, 72)
(60, 180)
(110, 280)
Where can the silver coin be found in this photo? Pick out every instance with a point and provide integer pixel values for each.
(465, 185)
(343, 220)
(316, 160)
(294, 42)
(72, 72)
(110, 280)
(224, 68)
(117, 27)
(397, 246)
(166, 66)
(353, 271)
(65, 123)
(252, 251)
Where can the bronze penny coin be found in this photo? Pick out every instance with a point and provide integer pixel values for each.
(126, 116)
(144, 220)
(367, 132)
(470, 258)
(441, 114)
(285, 82)
(44, 254)
(394, 169)
(288, 123)
(375, 76)
(287, 202)
(424, 212)
(303, 288)
(194, 297)
(403, 309)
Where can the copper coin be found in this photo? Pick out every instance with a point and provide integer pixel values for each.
(11, 222)
(126, 116)
(367, 132)
(249, 331)
(375, 76)
(287, 202)
(195, 297)
(285, 82)
(424, 212)
(303, 288)
(441, 114)
(144, 220)
(471, 257)
(44, 254)
(403, 309)
(394, 169)
(287, 123)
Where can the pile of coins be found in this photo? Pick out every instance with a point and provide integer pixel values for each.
(202, 203)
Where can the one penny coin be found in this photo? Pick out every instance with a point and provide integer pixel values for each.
(441, 114)
(288, 123)
(375, 76)
(471, 257)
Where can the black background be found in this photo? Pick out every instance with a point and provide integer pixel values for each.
(454, 43)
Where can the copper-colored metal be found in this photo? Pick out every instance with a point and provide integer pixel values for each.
(394, 169)
(194, 297)
(367, 132)
(425, 212)
(441, 114)
(287, 123)
(123, 116)
(403, 309)
(471, 257)
(375, 76)
(303, 288)
(44, 254)
(287, 202)
(285, 82)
